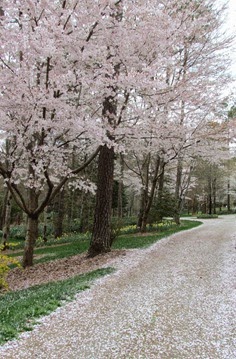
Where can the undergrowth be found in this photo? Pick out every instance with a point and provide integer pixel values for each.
(132, 239)
(5, 265)
(146, 239)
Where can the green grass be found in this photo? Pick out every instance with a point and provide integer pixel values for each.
(58, 251)
(20, 310)
(18, 244)
(141, 241)
(62, 251)
(126, 241)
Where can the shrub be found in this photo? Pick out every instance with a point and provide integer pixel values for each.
(18, 232)
(154, 227)
(205, 216)
(5, 263)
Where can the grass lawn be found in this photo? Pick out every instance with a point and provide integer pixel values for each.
(142, 241)
(58, 251)
(20, 310)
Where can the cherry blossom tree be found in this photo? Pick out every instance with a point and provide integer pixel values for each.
(132, 30)
(96, 76)
(43, 116)
(178, 124)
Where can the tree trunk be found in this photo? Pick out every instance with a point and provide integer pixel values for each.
(144, 191)
(178, 198)
(86, 212)
(143, 202)
(1, 11)
(120, 189)
(209, 195)
(60, 213)
(31, 236)
(101, 236)
(7, 220)
(3, 209)
(160, 192)
(214, 195)
(228, 196)
(70, 208)
(150, 196)
(46, 218)
(32, 230)
(83, 215)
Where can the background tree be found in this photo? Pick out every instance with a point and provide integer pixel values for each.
(159, 79)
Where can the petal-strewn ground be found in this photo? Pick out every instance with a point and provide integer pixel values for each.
(175, 300)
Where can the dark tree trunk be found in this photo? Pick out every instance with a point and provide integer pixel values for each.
(101, 236)
(178, 198)
(144, 192)
(143, 202)
(160, 191)
(3, 209)
(86, 212)
(150, 196)
(209, 203)
(7, 220)
(46, 218)
(120, 190)
(60, 213)
(70, 208)
(31, 236)
(228, 196)
(32, 230)
(209, 196)
(83, 216)
(214, 195)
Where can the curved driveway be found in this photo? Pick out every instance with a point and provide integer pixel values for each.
(174, 300)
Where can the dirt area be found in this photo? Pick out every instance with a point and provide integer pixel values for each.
(59, 269)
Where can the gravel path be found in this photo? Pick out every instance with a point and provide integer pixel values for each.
(175, 300)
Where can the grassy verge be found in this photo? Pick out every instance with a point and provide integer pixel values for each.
(57, 251)
(19, 310)
(145, 240)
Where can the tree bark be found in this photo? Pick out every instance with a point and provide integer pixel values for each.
(120, 189)
(32, 230)
(160, 191)
(60, 213)
(150, 195)
(178, 198)
(45, 224)
(31, 236)
(144, 191)
(3, 209)
(228, 196)
(101, 237)
(209, 195)
(214, 195)
(143, 202)
(7, 220)
(1, 11)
